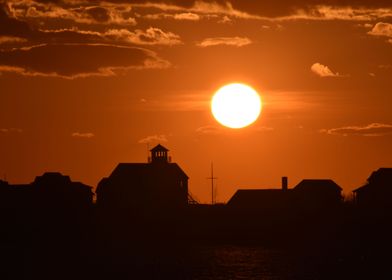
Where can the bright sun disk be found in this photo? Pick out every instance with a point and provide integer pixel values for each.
(236, 105)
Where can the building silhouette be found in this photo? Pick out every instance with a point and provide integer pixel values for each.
(317, 194)
(261, 199)
(142, 189)
(376, 194)
(52, 189)
(309, 194)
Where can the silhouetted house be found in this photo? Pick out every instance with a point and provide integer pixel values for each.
(376, 194)
(56, 190)
(265, 200)
(317, 194)
(52, 190)
(143, 188)
(4, 194)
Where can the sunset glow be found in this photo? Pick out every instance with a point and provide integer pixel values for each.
(236, 105)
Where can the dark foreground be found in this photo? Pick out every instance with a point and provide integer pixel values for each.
(89, 245)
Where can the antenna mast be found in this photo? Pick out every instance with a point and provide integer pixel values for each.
(212, 178)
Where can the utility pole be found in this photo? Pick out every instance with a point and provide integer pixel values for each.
(212, 178)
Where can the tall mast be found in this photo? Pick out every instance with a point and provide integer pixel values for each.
(212, 178)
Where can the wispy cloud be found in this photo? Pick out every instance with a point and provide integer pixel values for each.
(209, 130)
(381, 29)
(77, 11)
(323, 70)
(11, 40)
(176, 16)
(82, 134)
(11, 130)
(150, 36)
(228, 41)
(153, 139)
(346, 13)
(373, 129)
(113, 60)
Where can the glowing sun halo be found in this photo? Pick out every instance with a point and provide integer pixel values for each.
(236, 105)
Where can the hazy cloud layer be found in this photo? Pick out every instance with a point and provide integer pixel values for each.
(209, 130)
(323, 70)
(11, 39)
(228, 41)
(373, 129)
(153, 139)
(83, 134)
(92, 60)
(11, 130)
(382, 29)
(76, 11)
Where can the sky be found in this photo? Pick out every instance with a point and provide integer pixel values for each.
(85, 85)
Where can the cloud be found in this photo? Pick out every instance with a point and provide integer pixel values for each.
(323, 70)
(77, 11)
(228, 41)
(177, 16)
(82, 134)
(58, 60)
(202, 8)
(153, 138)
(186, 16)
(209, 130)
(381, 29)
(373, 129)
(11, 130)
(333, 12)
(152, 36)
(11, 39)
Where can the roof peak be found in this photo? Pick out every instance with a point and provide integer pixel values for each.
(159, 147)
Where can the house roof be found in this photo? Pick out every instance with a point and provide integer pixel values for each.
(159, 147)
(361, 188)
(381, 174)
(257, 197)
(56, 179)
(128, 171)
(380, 177)
(317, 184)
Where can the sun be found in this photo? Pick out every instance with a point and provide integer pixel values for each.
(236, 105)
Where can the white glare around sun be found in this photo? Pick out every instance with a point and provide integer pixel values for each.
(236, 105)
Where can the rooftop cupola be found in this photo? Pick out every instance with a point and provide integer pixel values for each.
(159, 154)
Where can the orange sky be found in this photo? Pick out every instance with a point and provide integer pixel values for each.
(85, 85)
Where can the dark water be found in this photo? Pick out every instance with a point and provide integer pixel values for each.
(247, 262)
(221, 262)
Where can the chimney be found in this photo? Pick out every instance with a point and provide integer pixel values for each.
(284, 183)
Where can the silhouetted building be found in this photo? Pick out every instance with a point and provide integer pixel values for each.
(317, 194)
(145, 188)
(52, 189)
(57, 190)
(261, 199)
(308, 194)
(376, 194)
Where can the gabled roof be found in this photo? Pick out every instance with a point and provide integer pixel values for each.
(381, 174)
(129, 171)
(257, 197)
(52, 178)
(158, 148)
(364, 187)
(379, 178)
(317, 184)
(57, 179)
